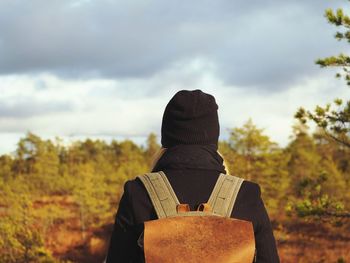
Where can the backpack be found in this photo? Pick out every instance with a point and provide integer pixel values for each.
(202, 236)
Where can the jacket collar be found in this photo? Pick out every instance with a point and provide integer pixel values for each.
(203, 157)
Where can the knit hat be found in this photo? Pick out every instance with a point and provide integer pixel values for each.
(190, 117)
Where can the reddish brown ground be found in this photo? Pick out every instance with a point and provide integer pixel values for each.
(298, 241)
(313, 242)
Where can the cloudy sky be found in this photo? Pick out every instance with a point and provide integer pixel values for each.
(106, 69)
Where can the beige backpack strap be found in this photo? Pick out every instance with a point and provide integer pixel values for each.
(161, 193)
(223, 197)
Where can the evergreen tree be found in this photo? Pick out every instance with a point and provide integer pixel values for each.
(318, 186)
(6, 163)
(20, 239)
(334, 118)
(89, 193)
(152, 148)
(255, 157)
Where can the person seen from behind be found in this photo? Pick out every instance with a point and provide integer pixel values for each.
(190, 161)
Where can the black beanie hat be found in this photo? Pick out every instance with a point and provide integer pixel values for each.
(190, 117)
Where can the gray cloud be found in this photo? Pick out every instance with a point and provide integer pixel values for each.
(265, 44)
(26, 107)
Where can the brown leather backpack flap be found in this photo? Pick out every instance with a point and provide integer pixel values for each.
(199, 239)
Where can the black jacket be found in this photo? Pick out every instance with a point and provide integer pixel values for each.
(192, 171)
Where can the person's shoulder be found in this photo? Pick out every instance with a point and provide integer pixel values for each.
(249, 192)
(251, 188)
(133, 186)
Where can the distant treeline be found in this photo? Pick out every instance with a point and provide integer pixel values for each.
(309, 177)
